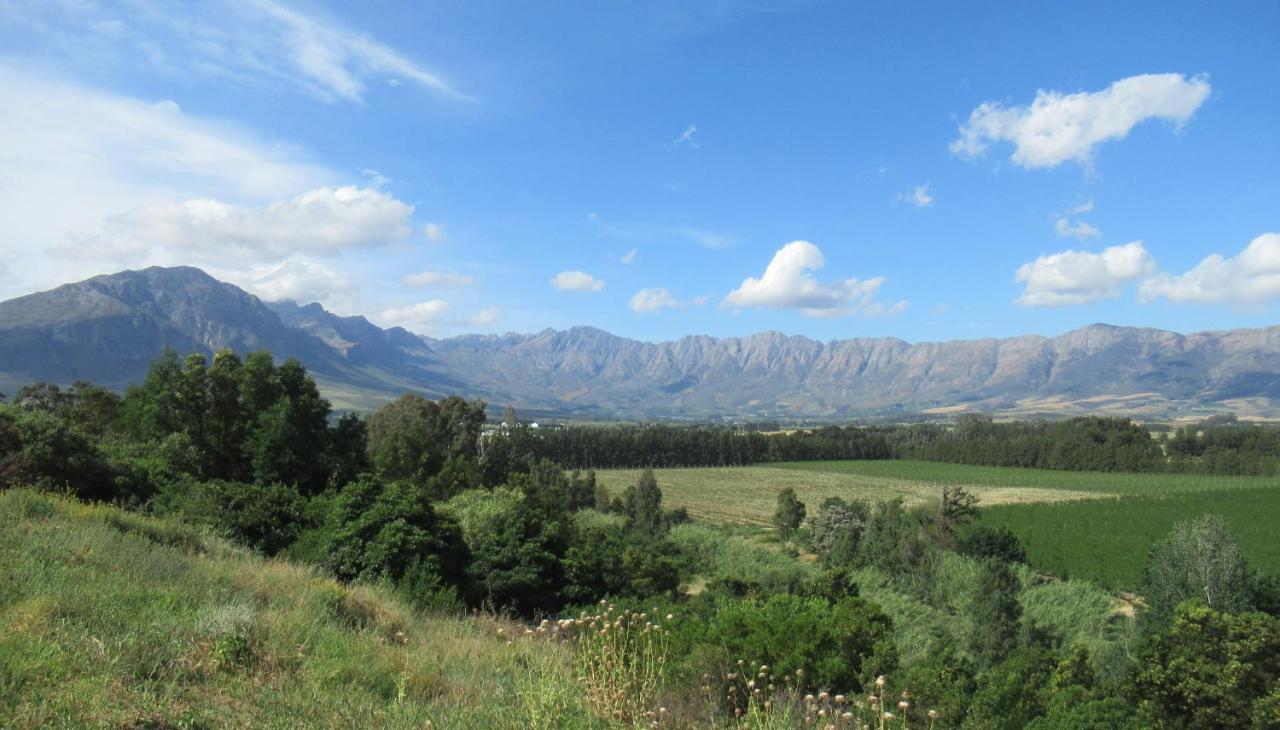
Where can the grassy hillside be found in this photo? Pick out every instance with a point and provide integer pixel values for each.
(111, 619)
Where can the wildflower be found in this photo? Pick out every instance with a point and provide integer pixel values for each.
(823, 695)
(764, 667)
(888, 715)
(840, 699)
(808, 698)
(903, 705)
(933, 714)
(751, 684)
(670, 617)
(847, 716)
(880, 681)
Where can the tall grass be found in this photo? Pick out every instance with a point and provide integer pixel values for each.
(117, 620)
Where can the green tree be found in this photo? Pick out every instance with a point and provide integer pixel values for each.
(789, 514)
(380, 530)
(1198, 560)
(411, 437)
(642, 505)
(995, 614)
(957, 508)
(227, 420)
(1209, 669)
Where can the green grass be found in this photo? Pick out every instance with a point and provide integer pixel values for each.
(1108, 541)
(933, 472)
(116, 620)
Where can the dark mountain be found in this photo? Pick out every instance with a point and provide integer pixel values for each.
(107, 329)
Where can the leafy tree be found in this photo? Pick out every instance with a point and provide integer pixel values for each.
(515, 557)
(642, 505)
(348, 454)
(985, 542)
(264, 517)
(227, 420)
(411, 437)
(389, 530)
(191, 394)
(1208, 669)
(995, 614)
(958, 508)
(790, 512)
(1012, 693)
(840, 645)
(152, 409)
(1198, 560)
(41, 449)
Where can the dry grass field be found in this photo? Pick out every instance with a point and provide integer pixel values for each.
(739, 495)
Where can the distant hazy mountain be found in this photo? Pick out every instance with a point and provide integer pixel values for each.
(107, 329)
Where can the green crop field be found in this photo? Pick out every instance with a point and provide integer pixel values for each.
(1107, 541)
(1088, 525)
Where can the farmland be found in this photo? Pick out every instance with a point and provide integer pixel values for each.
(1089, 525)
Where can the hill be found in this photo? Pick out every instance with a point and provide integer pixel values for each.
(110, 619)
(108, 328)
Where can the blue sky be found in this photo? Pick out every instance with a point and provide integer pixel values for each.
(928, 171)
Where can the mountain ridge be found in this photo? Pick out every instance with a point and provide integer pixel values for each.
(108, 328)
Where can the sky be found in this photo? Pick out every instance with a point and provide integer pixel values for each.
(929, 171)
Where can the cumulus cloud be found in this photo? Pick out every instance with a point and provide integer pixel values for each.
(439, 278)
(576, 281)
(246, 42)
(321, 221)
(73, 157)
(919, 196)
(1249, 279)
(787, 284)
(1057, 128)
(653, 300)
(1081, 277)
(297, 279)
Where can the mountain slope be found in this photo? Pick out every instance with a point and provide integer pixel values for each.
(107, 329)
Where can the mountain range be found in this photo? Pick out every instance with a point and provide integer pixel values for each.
(108, 329)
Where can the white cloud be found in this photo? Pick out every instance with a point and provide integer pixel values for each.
(1079, 229)
(439, 278)
(72, 157)
(1250, 279)
(434, 232)
(576, 281)
(786, 284)
(1085, 207)
(1058, 128)
(687, 137)
(653, 300)
(484, 317)
(688, 234)
(242, 41)
(630, 256)
(1081, 277)
(433, 316)
(321, 221)
(423, 317)
(919, 196)
(298, 280)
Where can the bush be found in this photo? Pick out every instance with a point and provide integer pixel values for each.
(839, 646)
(985, 542)
(391, 531)
(267, 518)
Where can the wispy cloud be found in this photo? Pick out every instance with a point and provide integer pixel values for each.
(687, 138)
(247, 41)
(655, 234)
(630, 256)
(919, 196)
(440, 279)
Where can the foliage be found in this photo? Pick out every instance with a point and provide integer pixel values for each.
(1198, 560)
(390, 530)
(267, 518)
(41, 449)
(1209, 668)
(985, 542)
(790, 512)
(994, 614)
(412, 438)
